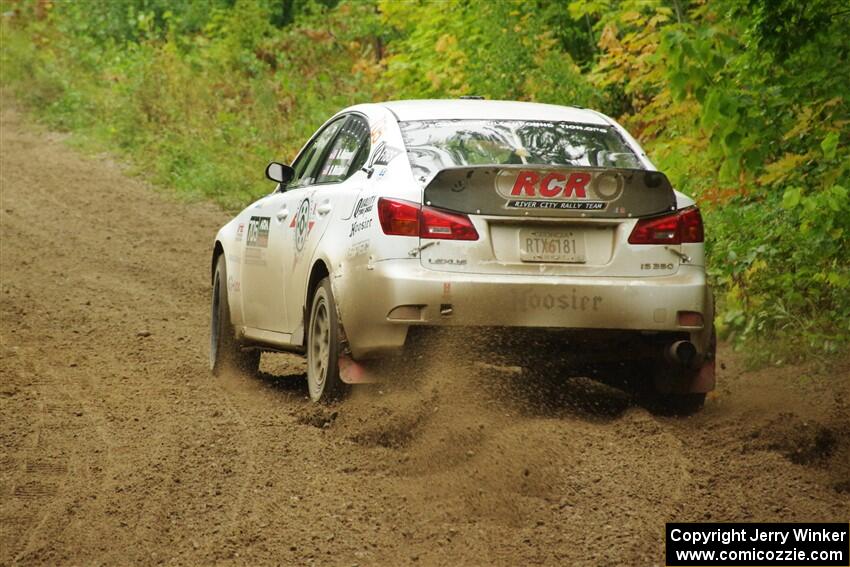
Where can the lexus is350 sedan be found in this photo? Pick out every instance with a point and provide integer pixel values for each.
(545, 223)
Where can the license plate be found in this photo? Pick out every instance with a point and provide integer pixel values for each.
(565, 246)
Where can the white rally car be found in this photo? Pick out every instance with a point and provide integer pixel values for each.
(540, 221)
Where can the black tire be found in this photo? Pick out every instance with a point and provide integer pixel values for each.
(643, 380)
(226, 353)
(680, 404)
(323, 347)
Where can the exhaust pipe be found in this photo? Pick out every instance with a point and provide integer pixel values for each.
(682, 352)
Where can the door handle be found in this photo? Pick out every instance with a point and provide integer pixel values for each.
(324, 208)
(282, 214)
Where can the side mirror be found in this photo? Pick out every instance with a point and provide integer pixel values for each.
(279, 172)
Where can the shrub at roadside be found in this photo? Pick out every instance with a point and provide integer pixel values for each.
(744, 103)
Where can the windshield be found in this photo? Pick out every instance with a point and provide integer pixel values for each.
(433, 145)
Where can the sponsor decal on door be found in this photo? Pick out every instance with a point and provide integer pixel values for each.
(303, 224)
(258, 232)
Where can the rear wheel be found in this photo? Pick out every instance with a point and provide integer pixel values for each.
(680, 404)
(323, 347)
(225, 351)
(659, 386)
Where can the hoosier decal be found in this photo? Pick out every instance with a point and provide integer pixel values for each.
(528, 300)
(258, 232)
(357, 226)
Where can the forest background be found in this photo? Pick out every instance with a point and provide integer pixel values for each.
(745, 104)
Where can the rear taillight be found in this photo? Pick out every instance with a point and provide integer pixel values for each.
(404, 218)
(435, 223)
(398, 217)
(690, 224)
(683, 226)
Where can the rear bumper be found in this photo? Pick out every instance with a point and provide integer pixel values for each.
(378, 305)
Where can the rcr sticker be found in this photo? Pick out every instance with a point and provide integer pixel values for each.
(551, 185)
(545, 189)
(582, 205)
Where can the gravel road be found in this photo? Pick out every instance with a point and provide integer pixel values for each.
(119, 448)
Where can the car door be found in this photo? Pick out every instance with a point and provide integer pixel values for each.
(326, 199)
(262, 308)
(265, 258)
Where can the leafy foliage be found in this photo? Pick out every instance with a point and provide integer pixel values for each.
(504, 50)
(744, 103)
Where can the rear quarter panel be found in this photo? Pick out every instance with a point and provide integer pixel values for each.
(355, 242)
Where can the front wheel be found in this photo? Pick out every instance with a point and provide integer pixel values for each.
(225, 351)
(323, 347)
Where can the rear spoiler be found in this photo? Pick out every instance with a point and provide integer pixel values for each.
(551, 191)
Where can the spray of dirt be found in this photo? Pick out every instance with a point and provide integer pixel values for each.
(118, 447)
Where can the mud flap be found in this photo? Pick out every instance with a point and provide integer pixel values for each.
(672, 378)
(705, 381)
(352, 372)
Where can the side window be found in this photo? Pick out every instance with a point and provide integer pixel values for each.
(348, 152)
(307, 163)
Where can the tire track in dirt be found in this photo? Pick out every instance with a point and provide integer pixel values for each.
(19, 489)
(250, 451)
(74, 477)
(103, 304)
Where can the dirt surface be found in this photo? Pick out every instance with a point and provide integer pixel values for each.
(118, 447)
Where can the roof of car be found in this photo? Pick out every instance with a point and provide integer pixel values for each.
(457, 109)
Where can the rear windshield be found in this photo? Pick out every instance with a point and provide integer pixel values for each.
(433, 145)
